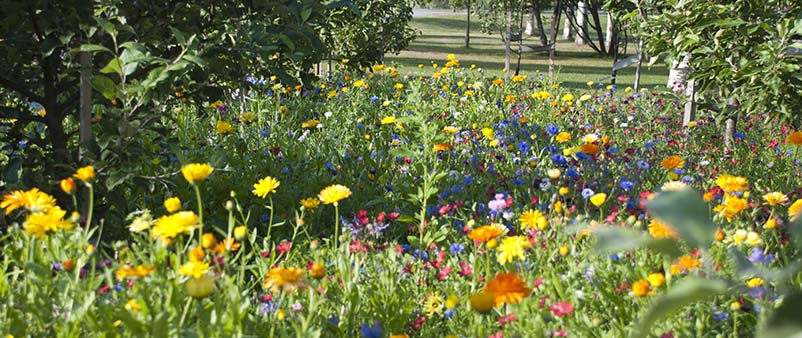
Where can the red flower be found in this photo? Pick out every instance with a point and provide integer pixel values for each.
(284, 247)
(561, 308)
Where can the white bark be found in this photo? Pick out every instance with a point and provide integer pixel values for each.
(530, 22)
(582, 22)
(608, 39)
(567, 29)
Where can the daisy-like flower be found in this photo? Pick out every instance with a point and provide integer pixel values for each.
(310, 203)
(265, 186)
(284, 279)
(730, 183)
(433, 305)
(223, 128)
(795, 138)
(512, 248)
(795, 210)
(684, 264)
(672, 162)
(775, 198)
(507, 288)
(641, 288)
(172, 204)
(169, 226)
(659, 230)
(85, 174)
(39, 224)
(193, 268)
(533, 219)
(388, 120)
(33, 200)
(333, 194)
(196, 172)
(487, 233)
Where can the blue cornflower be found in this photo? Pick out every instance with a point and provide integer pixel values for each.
(720, 315)
(371, 332)
(552, 129)
(627, 185)
(572, 173)
(587, 193)
(559, 159)
(374, 98)
(643, 164)
(456, 248)
(524, 147)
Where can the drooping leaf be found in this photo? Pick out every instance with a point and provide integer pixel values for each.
(784, 322)
(687, 213)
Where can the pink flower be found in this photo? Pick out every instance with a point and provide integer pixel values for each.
(504, 320)
(465, 269)
(284, 247)
(497, 335)
(561, 308)
(443, 273)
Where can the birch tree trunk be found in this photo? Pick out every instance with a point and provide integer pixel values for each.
(530, 21)
(507, 47)
(581, 22)
(567, 29)
(608, 38)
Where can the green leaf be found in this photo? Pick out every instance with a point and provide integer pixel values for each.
(114, 66)
(611, 240)
(687, 291)
(116, 177)
(105, 86)
(687, 213)
(795, 229)
(94, 48)
(784, 321)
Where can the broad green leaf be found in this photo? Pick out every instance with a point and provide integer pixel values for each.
(94, 48)
(784, 322)
(686, 292)
(687, 213)
(795, 229)
(114, 66)
(611, 240)
(105, 86)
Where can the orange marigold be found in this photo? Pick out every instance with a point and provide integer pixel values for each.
(507, 288)
(672, 162)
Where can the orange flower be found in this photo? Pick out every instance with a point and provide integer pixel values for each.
(685, 263)
(795, 138)
(227, 244)
(731, 183)
(590, 149)
(672, 162)
(641, 288)
(486, 233)
(507, 288)
(659, 230)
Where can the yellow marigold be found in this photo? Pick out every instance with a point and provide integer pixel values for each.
(226, 245)
(684, 264)
(731, 207)
(196, 172)
(795, 210)
(208, 241)
(754, 282)
(672, 162)
(170, 226)
(132, 306)
(333, 194)
(795, 138)
(126, 271)
(498, 82)
(196, 254)
(598, 199)
(172, 204)
(310, 124)
(771, 223)
(775, 198)
(265, 186)
(33, 200)
(512, 248)
(39, 224)
(487, 233)
(450, 129)
(67, 185)
(440, 147)
(563, 137)
(284, 279)
(659, 230)
(507, 288)
(656, 279)
(85, 174)
(518, 78)
(567, 97)
(482, 302)
(533, 219)
(223, 128)
(310, 203)
(317, 271)
(388, 120)
(731, 183)
(640, 288)
(378, 68)
(193, 268)
(488, 133)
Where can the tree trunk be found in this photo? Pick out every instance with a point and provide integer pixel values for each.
(555, 23)
(608, 41)
(566, 25)
(543, 39)
(85, 115)
(468, 27)
(729, 124)
(594, 11)
(581, 23)
(530, 21)
(507, 48)
(639, 66)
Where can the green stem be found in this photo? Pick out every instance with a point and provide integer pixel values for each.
(270, 225)
(91, 206)
(184, 313)
(200, 214)
(336, 226)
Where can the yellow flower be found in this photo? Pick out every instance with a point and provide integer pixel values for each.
(753, 239)
(196, 254)
(310, 124)
(172, 204)
(563, 137)
(170, 226)
(284, 279)
(450, 129)
(739, 236)
(142, 222)
(564, 250)
(265, 186)
(388, 120)
(196, 172)
(482, 302)
(685, 263)
(39, 224)
(567, 97)
(310, 203)
(730, 183)
(754, 282)
(771, 223)
(240, 232)
(126, 271)
(132, 306)
(488, 133)
(598, 199)
(487, 233)
(318, 271)
(440, 147)
(795, 138)
(67, 185)
(226, 245)
(433, 305)
(672, 162)
(194, 269)
(518, 78)
(208, 241)
(585, 97)
(511, 248)
(590, 138)
(507, 288)
(223, 127)
(656, 280)
(640, 288)
(333, 194)
(33, 200)
(378, 68)
(85, 174)
(731, 207)
(452, 302)
(795, 210)
(248, 117)
(659, 230)
(775, 198)
(533, 219)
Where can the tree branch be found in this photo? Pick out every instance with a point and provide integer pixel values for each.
(11, 113)
(31, 96)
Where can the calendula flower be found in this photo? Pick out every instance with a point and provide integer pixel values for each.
(141, 222)
(67, 185)
(482, 302)
(487, 233)
(640, 288)
(197, 254)
(208, 241)
(310, 124)
(672, 162)
(563, 137)
(226, 245)
(39, 224)
(223, 128)
(440, 147)
(656, 280)
(567, 98)
(265, 186)
(333, 194)
(388, 120)
(284, 279)
(518, 78)
(775, 198)
(126, 271)
(795, 210)
(684, 264)
(507, 288)
(172, 204)
(731, 207)
(317, 271)
(533, 219)
(193, 268)
(85, 174)
(433, 305)
(730, 183)
(310, 203)
(659, 230)
(512, 248)
(170, 226)
(794, 138)
(196, 172)
(33, 200)
(754, 282)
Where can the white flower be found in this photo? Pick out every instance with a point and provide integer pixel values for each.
(328, 114)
